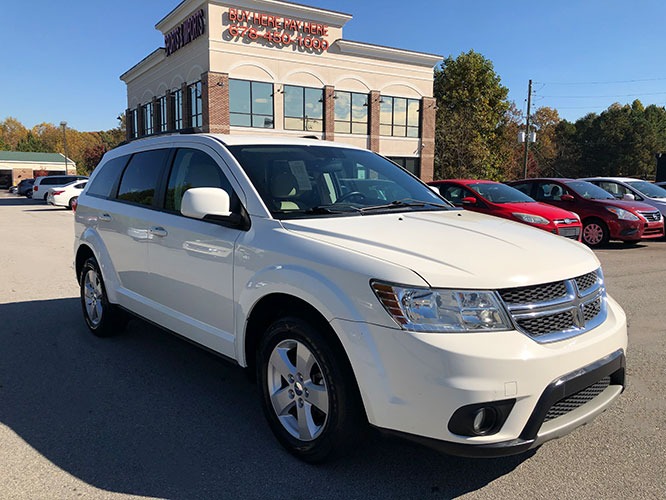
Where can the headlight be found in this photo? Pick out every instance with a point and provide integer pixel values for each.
(622, 214)
(530, 219)
(442, 310)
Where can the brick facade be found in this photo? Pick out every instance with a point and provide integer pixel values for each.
(373, 120)
(215, 102)
(428, 115)
(329, 112)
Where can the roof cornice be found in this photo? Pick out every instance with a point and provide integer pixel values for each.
(148, 62)
(348, 47)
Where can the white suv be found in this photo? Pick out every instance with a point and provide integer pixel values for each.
(353, 292)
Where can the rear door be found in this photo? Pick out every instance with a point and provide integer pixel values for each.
(124, 221)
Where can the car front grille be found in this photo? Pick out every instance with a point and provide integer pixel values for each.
(558, 310)
(652, 216)
(569, 232)
(577, 400)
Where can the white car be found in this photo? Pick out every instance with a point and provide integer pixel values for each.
(626, 188)
(66, 195)
(42, 184)
(352, 291)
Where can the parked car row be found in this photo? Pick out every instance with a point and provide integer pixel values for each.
(58, 190)
(593, 210)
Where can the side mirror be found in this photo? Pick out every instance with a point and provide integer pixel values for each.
(198, 203)
(567, 197)
(629, 197)
(469, 200)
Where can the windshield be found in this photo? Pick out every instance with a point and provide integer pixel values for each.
(500, 193)
(589, 191)
(648, 189)
(296, 181)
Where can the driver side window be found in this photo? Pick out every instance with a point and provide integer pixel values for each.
(193, 168)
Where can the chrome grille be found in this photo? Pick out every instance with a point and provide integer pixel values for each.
(586, 281)
(652, 216)
(539, 293)
(558, 310)
(547, 324)
(577, 400)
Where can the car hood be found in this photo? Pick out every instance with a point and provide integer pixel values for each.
(455, 248)
(537, 208)
(634, 206)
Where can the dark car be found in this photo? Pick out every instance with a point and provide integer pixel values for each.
(604, 217)
(24, 187)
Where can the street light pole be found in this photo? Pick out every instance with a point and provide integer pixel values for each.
(63, 124)
(527, 129)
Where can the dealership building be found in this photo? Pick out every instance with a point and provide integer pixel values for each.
(274, 67)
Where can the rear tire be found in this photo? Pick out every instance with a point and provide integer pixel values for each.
(102, 318)
(308, 393)
(71, 202)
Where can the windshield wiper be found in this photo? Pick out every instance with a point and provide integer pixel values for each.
(404, 203)
(324, 209)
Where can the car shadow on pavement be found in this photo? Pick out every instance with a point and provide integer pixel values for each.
(146, 413)
(11, 201)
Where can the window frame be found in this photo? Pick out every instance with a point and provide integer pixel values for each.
(147, 113)
(409, 102)
(304, 101)
(195, 96)
(177, 107)
(351, 122)
(251, 114)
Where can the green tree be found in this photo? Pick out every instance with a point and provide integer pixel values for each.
(31, 144)
(472, 106)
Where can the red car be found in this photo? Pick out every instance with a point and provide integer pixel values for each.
(495, 198)
(604, 217)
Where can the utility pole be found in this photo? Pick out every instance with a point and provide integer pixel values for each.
(527, 128)
(64, 140)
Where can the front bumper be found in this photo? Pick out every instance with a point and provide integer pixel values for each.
(412, 384)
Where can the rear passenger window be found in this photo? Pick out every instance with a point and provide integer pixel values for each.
(106, 179)
(140, 179)
(193, 168)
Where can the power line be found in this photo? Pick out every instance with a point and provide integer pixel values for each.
(604, 83)
(602, 96)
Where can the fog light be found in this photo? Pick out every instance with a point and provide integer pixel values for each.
(484, 420)
(480, 419)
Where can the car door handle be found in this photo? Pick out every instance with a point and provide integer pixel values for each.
(158, 231)
(104, 217)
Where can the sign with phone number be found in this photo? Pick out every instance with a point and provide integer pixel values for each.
(277, 37)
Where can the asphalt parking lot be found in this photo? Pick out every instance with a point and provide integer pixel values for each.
(145, 414)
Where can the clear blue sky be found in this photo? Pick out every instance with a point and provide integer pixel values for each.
(62, 60)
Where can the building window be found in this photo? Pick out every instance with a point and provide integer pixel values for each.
(147, 116)
(196, 114)
(134, 123)
(399, 117)
(162, 103)
(351, 113)
(303, 108)
(250, 104)
(177, 103)
(410, 164)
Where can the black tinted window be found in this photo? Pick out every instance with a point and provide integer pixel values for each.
(107, 178)
(141, 176)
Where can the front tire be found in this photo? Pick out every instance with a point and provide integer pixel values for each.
(308, 392)
(102, 318)
(595, 233)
